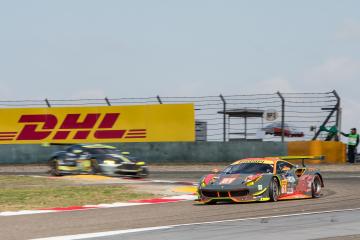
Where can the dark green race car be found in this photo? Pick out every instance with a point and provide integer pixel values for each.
(96, 158)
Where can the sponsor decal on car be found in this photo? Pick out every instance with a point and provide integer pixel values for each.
(227, 180)
(284, 186)
(255, 161)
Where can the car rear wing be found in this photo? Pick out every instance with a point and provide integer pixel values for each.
(302, 158)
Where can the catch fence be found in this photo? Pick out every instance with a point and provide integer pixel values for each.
(244, 117)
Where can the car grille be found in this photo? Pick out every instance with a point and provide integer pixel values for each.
(239, 193)
(207, 193)
(214, 194)
(223, 194)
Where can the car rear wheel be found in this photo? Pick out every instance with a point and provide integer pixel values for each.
(54, 167)
(274, 190)
(316, 187)
(95, 168)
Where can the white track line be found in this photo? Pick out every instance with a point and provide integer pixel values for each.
(135, 230)
(103, 234)
(172, 199)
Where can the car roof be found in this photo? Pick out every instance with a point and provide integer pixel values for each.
(97, 146)
(266, 160)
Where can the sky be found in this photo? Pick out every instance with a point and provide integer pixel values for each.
(92, 49)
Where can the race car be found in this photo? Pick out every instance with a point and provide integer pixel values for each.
(261, 179)
(276, 130)
(96, 158)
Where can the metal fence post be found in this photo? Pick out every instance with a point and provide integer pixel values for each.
(332, 111)
(338, 114)
(159, 99)
(282, 116)
(107, 101)
(47, 102)
(224, 117)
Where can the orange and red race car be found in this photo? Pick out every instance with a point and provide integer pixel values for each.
(261, 179)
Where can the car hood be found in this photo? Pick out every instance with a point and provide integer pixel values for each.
(224, 179)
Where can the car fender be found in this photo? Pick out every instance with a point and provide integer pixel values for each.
(266, 180)
(315, 172)
(305, 182)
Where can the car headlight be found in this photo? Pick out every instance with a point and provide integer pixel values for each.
(110, 162)
(140, 163)
(250, 180)
(209, 179)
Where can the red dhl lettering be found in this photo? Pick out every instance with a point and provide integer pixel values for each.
(41, 126)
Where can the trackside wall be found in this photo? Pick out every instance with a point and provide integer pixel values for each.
(204, 151)
(176, 152)
(191, 152)
(334, 152)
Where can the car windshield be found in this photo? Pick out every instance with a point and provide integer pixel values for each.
(102, 151)
(249, 168)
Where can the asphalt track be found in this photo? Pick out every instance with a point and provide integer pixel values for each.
(341, 192)
(296, 227)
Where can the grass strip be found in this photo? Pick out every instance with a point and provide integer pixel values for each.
(27, 193)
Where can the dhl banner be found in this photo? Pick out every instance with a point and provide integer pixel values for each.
(145, 123)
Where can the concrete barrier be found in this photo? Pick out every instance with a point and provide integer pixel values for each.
(190, 152)
(157, 152)
(334, 152)
(25, 153)
(203, 151)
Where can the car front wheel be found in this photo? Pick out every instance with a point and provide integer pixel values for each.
(54, 167)
(145, 172)
(95, 168)
(274, 190)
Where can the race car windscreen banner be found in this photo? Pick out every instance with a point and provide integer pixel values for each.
(145, 123)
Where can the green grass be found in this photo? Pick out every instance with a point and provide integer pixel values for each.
(27, 193)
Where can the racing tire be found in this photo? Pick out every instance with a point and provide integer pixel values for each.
(145, 173)
(274, 190)
(95, 168)
(316, 187)
(54, 167)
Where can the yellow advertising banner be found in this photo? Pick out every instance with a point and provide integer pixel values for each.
(142, 123)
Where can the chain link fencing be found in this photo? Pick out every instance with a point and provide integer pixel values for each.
(244, 117)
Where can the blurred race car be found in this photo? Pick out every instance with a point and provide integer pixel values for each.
(96, 158)
(261, 179)
(275, 129)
